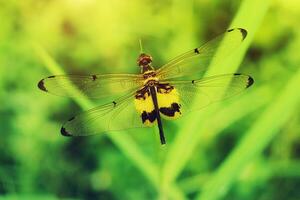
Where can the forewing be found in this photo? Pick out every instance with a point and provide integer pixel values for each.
(198, 60)
(93, 86)
(196, 94)
(117, 115)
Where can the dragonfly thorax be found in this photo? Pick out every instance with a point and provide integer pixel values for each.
(149, 74)
(151, 82)
(150, 78)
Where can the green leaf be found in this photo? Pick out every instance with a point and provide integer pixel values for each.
(255, 140)
(188, 136)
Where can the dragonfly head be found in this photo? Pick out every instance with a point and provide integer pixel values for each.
(144, 60)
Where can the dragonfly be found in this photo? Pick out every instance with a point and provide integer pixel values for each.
(154, 95)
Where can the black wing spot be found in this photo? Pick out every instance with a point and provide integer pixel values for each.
(42, 86)
(72, 118)
(94, 77)
(114, 103)
(64, 132)
(193, 81)
(170, 111)
(230, 30)
(244, 33)
(51, 76)
(151, 116)
(196, 51)
(237, 74)
(250, 82)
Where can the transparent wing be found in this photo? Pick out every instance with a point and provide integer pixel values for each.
(117, 115)
(197, 60)
(93, 86)
(197, 94)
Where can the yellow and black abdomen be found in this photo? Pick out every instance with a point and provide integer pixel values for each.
(168, 103)
(145, 107)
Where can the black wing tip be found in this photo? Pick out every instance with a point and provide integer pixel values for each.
(63, 129)
(42, 86)
(250, 82)
(242, 30)
(41, 83)
(64, 132)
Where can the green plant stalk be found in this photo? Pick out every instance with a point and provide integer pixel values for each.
(127, 146)
(191, 184)
(284, 168)
(255, 140)
(210, 128)
(266, 170)
(187, 134)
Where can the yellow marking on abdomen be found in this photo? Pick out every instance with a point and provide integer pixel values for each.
(145, 105)
(169, 102)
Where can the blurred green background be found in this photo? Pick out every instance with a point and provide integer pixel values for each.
(247, 147)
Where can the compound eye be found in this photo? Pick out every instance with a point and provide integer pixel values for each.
(144, 60)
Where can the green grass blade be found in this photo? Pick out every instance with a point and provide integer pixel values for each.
(187, 138)
(123, 141)
(255, 140)
(210, 128)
